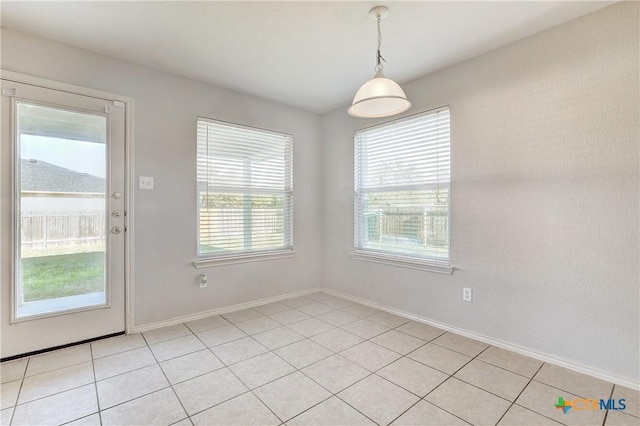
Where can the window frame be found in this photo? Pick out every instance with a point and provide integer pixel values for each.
(425, 263)
(250, 255)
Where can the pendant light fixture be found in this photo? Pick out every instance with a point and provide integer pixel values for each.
(380, 96)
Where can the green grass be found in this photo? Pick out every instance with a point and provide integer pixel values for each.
(206, 249)
(49, 277)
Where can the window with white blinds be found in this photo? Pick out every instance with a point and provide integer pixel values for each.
(402, 174)
(245, 190)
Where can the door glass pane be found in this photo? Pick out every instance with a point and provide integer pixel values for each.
(61, 182)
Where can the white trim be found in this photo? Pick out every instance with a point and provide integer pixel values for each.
(541, 356)
(15, 204)
(218, 311)
(404, 262)
(244, 258)
(128, 102)
(63, 87)
(61, 194)
(59, 306)
(129, 182)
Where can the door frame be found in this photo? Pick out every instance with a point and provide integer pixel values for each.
(129, 173)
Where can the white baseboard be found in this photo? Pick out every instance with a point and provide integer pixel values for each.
(226, 309)
(629, 383)
(495, 342)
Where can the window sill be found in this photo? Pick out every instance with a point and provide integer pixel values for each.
(439, 267)
(242, 258)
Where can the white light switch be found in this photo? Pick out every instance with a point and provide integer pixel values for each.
(145, 182)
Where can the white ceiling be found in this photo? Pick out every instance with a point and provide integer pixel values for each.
(312, 55)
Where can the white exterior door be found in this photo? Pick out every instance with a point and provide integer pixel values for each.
(63, 220)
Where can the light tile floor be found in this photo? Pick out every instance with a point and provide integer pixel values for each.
(313, 360)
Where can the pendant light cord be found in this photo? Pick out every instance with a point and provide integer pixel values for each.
(379, 58)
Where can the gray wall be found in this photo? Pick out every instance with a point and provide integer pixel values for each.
(544, 193)
(544, 207)
(166, 107)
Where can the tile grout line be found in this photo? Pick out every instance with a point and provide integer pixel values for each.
(239, 379)
(15, 407)
(207, 348)
(310, 339)
(133, 369)
(55, 369)
(520, 393)
(49, 395)
(251, 357)
(454, 415)
(95, 384)
(444, 381)
(453, 350)
(505, 369)
(300, 371)
(247, 334)
(485, 390)
(289, 374)
(273, 319)
(540, 414)
(186, 418)
(165, 375)
(407, 390)
(249, 390)
(157, 363)
(80, 418)
(313, 406)
(487, 362)
(424, 340)
(137, 397)
(332, 394)
(563, 390)
(121, 352)
(334, 352)
(372, 373)
(148, 346)
(219, 344)
(427, 365)
(606, 413)
(475, 358)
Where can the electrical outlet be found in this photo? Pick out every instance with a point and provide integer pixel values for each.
(467, 294)
(145, 182)
(203, 280)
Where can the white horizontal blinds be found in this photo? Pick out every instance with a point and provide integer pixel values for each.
(245, 188)
(402, 175)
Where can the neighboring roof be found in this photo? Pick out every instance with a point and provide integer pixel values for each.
(40, 176)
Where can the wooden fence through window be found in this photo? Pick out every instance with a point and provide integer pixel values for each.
(50, 229)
